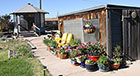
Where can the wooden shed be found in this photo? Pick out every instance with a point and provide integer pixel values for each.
(118, 25)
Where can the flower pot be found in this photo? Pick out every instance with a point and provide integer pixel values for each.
(95, 58)
(91, 67)
(115, 66)
(88, 31)
(49, 49)
(74, 62)
(105, 68)
(62, 56)
(83, 64)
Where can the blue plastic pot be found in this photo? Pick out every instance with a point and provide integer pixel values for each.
(83, 64)
(91, 67)
(105, 68)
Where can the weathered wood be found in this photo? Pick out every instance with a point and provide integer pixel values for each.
(131, 35)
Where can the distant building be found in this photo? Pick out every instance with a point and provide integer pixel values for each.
(51, 23)
(28, 16)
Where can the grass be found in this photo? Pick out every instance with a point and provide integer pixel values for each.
(25, 65)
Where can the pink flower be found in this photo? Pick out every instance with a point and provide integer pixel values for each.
(87, 45)
(95, 43)
(77, 48)
(81, 46)
(82, 43)
(89, 42)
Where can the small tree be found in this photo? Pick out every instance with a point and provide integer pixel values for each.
(6, 23)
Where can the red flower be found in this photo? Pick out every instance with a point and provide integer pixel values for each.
(89, 42)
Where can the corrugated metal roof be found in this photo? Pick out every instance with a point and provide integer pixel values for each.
(106, 6)
(29, 9)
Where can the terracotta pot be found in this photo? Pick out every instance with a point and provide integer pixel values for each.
(62, 56)
(115, 66)
(49, 49)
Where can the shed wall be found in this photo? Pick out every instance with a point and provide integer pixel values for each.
(115, 17)
(95, 14)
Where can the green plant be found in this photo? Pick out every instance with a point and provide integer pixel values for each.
(74, 43)
(72, 54)
(90, 62)
(116, 55)
(116, 52)
(103, 60)
(82, 58)
(52, 44)
(46, 42)
(62, 51)
(1, 34)
(116, 60)
(24, 50)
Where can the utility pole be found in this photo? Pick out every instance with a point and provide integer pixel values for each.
(40, 4)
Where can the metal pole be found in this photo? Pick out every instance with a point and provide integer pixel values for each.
(40, 4)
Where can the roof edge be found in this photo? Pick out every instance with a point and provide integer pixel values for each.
(100, 7)
(84, 10)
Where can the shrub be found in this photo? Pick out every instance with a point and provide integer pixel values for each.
(24, 49)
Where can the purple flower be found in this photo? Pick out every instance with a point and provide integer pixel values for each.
(84, 27)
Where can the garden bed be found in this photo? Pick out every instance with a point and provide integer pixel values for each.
(23, 63)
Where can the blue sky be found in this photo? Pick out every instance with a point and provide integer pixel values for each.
(60, 6)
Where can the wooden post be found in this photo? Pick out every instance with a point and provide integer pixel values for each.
(108, 33)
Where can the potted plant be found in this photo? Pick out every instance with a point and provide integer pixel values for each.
(88, 27)
(81, 49)
(62, 53)
(52, 44)
(46, 42)
(82, 59)
(116, 59)
(115, 63)
(91, 65)
(103, 63)
(72, 55)
(94, 51)
(74, 43)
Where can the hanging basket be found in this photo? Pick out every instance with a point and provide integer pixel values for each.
(89, 31)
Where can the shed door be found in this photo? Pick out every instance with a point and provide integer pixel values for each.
(131, 33)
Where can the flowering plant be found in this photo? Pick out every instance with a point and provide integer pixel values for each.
(95, 49)
(62, 51)
(81, 48)
(82, 58)
(88, 27)
(90, 61)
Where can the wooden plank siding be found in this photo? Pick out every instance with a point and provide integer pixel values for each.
(96, 14)
(131, 34)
